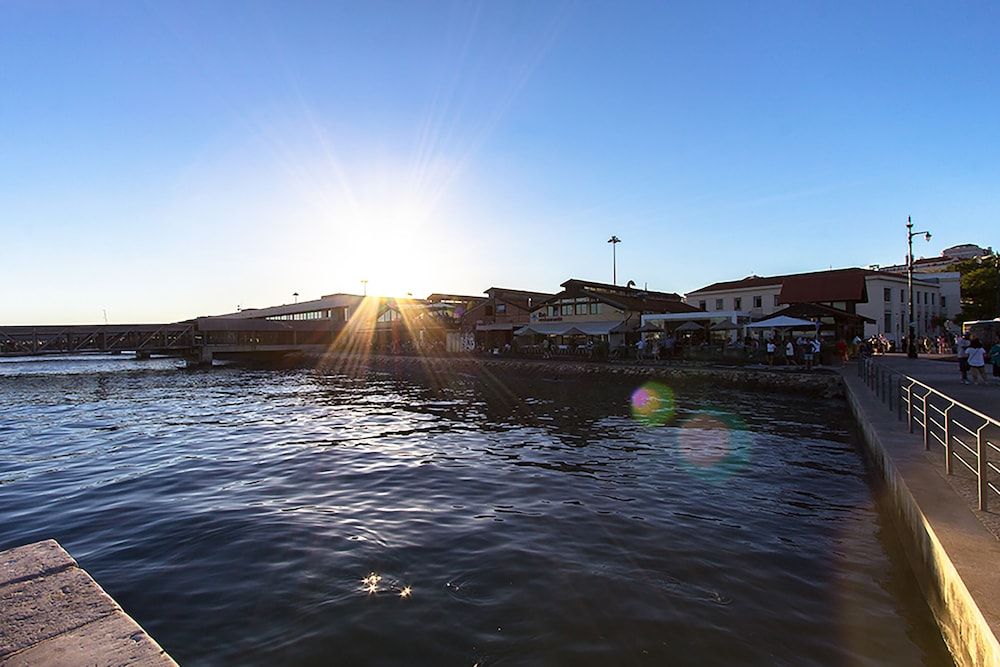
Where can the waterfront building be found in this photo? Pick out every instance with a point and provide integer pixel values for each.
(491, 322)
(939, 270)
(848, 301)
(336, 307)
(611, 313)
(948, 257)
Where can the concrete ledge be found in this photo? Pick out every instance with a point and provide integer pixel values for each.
(955, 558)
(54, 613)
(818, 383)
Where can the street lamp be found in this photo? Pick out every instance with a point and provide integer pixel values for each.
(614, 241)
(911, 345)
(364, 286)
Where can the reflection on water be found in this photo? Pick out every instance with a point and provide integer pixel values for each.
(300, 517)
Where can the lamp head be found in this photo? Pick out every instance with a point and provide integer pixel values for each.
(927, 236)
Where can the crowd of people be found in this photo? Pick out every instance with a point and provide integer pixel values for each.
(973, 357)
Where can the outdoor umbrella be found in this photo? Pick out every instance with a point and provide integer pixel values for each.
(649, 327)
(726, 326)
(783, 322)
(690, 326)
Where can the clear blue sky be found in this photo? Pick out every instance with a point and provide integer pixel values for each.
(160, 160)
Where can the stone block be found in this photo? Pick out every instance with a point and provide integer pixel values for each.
(33, 560)
(38, 609)
(111, 641)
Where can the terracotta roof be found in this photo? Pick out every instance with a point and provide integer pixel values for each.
(637, 301)
(838, 276)
(591, 286)
(846, 285)
(508, 293)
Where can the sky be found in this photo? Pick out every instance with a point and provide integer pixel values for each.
(164, 160)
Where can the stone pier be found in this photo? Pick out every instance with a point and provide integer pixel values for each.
(53, 613)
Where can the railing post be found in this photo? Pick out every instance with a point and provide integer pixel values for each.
(889, 390)
(927, 442)
(909, 406)
(947, 441)
(981, 467)
(899, 402)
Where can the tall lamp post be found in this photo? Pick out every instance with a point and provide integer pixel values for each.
(911, 344)
(614, 241)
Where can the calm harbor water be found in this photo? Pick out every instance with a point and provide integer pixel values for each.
(262, 517)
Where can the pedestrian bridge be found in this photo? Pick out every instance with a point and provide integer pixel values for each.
(199, 340)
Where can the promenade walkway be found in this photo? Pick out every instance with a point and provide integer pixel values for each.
(953, 548)
(941, 372)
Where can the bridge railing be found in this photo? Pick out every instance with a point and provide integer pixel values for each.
(960, 432)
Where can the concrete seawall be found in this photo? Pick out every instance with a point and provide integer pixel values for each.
(819, 383)
(955, 558)
(52, 613)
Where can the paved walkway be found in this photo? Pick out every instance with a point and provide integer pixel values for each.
(52, 613)
(941, 372)
(948, 543)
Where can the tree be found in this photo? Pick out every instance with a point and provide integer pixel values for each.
(980, 287)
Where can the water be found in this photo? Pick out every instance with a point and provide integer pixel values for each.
(235, 514)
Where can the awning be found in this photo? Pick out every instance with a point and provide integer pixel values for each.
(505, 326)
(572, 328)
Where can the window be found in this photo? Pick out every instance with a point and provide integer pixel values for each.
(902, 296)
(926, 298)
(567, 309)
(702, 305)
(501, 309)
(758, 302)
(718, 304)
(581, 309)
(388, 316)
(775, 299)
(888, 323)
(933, 299)
(942, 302)
(737, 303)
(595, 308)
(553, 311)
(886, 294)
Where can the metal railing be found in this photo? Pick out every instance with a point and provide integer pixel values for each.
(963, 433)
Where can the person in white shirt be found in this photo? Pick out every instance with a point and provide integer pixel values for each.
(770, 352)
(790, 353)
(976, 356)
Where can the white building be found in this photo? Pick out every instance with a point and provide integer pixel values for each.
(867, 301)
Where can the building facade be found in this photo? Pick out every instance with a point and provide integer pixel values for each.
(492, 321)
(872, 302)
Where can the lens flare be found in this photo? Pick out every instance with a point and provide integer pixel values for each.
(714, 445)
(653, 404)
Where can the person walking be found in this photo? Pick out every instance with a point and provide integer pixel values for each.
(962, 349)
(770, 351)
(976, 356)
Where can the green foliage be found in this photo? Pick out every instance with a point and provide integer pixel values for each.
(980, 285)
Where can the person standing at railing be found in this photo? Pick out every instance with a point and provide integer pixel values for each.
(962, 348)
(976, 355)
